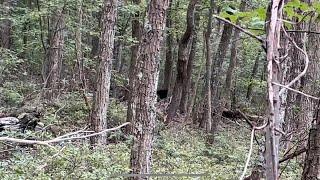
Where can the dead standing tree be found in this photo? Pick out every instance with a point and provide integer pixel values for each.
(273, 28)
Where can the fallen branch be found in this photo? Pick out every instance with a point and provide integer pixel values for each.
(60, 139)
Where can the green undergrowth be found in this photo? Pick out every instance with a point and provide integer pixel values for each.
(176, 151)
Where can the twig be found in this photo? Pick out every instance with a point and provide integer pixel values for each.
(56, 113)
(59, 139)
(294, 154)
(297, 91)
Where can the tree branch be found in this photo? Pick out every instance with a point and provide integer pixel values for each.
(60, 138)
(294, 154)
(297, 91)
(241, 29)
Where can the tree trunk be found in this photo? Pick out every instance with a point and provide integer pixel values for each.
(272, 138)
(183, 55)
(207, 113)
(80, 76)
(5, 26)
(98, 116)
(233, 60)
(311, 169)
(145, 81)
(252, 76)
(53, 64)
(216, 72)
(187, 86)
(95, 39)
(136, 34)
(168, 67)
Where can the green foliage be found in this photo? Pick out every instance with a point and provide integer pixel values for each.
(175, 151)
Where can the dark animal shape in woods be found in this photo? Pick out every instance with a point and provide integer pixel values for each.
(162, 94)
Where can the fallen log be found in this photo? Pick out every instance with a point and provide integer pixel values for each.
(20, 122)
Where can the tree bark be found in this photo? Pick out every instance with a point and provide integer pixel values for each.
(311, 169)
(187, 86)
(216, 73)
(207, 113)
(145, 81)
(252, 76)
(233, 60)
(272, 138)
(5, 26)
(53, 64)
(168, 67)
(136, 34)
(98, 116)
(183, 55)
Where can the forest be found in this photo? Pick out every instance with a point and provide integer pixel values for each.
(160, 89)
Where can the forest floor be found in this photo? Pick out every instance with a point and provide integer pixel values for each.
(177, 149)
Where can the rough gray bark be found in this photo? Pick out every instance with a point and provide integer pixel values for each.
(98, 116)
(144, 79)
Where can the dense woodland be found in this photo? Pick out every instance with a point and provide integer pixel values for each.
(160, 89)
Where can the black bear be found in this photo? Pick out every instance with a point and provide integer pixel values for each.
(162, 94)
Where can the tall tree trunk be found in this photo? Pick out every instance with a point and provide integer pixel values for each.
(5, 25)
(168, 67)
(233, 60)
(187, 86)
(98, 116)
(252, 76)
(272, 138)
(216, 73)
(80, 76)
(183, 55)
(53, 64)
(95, 39)
(145, 81)
(207, 113)
(136, 34)
(311, 169)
